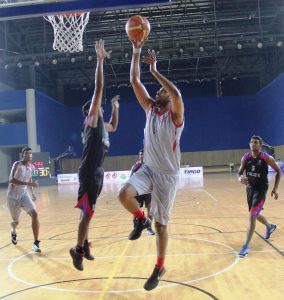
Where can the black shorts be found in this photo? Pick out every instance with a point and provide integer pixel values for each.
(90, 187)
(256, 198)
(144, 200)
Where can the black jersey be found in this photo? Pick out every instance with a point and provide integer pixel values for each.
(256, 169)
(96, 144)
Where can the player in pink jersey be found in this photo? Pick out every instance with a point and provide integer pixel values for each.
(255, 165)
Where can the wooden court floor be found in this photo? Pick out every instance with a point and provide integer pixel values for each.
(207, 229)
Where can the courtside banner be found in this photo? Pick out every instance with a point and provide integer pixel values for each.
(191, 172)
(67, 178)
(124, 175)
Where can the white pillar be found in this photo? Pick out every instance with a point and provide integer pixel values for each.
(31, 120)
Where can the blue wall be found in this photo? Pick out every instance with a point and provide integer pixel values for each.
(57, 126)
(269, 112)
(217, 123)
(12, 100)
(13, 134)
(16, 133)
(211, 123)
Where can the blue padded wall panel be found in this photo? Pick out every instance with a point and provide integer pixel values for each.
(269, 111)
(12, 100)
(57, 125)
(13, 134)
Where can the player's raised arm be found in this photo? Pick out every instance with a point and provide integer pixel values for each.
(139, 89)
(111, 126)
(176, 98)
(99, 82)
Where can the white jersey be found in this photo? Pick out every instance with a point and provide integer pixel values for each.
(23, 173)
(162, 142)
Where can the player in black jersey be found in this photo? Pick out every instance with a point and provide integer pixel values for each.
(95, 145)
(255, 164)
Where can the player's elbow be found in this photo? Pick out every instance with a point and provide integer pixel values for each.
(112, 128)
(134, 81)
(12, 180)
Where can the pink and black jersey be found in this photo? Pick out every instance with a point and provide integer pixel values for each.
(95, 145)
(162, 142)
(256, 168)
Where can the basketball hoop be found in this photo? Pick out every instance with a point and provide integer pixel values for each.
(68, 31)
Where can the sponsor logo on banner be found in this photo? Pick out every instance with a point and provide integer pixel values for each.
(67, 178)
(191, 172)
(117, 175)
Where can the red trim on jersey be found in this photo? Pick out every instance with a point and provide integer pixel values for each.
(176, 125)
(174, 146)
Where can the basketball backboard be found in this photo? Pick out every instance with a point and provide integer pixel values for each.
(18, 9)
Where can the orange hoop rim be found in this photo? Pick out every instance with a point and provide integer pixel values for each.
(72, 14)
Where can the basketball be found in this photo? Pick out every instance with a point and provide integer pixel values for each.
(137, 28)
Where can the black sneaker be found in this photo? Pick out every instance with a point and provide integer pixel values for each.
(154, 279)
(87, 251)
(35, 247)
(135, 220)
(138, 228)
(77, 259)
(14, 238)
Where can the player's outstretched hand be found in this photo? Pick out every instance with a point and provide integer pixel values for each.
(114, 101)
(137, 44)
(274, 194)
(100, 49)
(151, 60)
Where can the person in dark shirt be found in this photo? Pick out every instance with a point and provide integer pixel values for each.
(95, 145)
(255, 164)
(142, 199)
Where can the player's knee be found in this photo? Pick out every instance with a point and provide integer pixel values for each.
(161, 229)
(33, 213)
(15, 223)
(125, 193)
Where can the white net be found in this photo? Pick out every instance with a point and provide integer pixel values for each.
(68, 31)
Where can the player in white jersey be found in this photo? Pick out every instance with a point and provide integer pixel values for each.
(160, 171)
(20, 195)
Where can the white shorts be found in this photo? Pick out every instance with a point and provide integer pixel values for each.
(163, 188)
(25, 202)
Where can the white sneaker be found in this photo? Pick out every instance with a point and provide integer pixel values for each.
(150, 231)
(36, 247)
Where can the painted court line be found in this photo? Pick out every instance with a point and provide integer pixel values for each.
(147, 256)
(212, 197)
(225, 269)
(117, 264)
